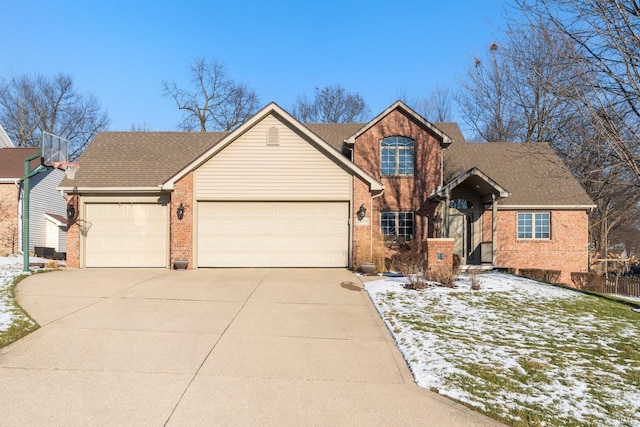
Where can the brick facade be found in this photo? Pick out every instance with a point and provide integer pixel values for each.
(181, 231)
(402, 193)
(8, 219)
(566, 250)
(73, 233)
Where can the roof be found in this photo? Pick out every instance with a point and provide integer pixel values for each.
(532, 173)
(478, 179)
(274, 109)
(154, 160)
(138, 159)
(12, 161)
(335, 133)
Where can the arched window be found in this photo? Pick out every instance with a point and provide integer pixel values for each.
(396, 156)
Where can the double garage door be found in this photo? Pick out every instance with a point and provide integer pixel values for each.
(229, 234)
(273, 234)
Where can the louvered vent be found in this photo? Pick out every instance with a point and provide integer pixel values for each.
(273, 137)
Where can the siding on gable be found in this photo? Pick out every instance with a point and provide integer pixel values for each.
(251, 169)
(44, 198)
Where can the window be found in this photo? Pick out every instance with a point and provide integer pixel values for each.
(396, 156)
(397, 224)
(534, 225)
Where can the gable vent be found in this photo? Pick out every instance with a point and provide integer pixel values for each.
(273, 138)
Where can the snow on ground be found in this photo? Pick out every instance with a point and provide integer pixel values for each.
(518, 349)
(10, 268)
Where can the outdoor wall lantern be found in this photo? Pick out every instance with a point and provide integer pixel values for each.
(361, 212)
(180, 212)
(71, 212)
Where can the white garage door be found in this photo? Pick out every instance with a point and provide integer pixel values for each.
(273, 234)
(126, 235)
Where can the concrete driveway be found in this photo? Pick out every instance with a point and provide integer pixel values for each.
(210, 347)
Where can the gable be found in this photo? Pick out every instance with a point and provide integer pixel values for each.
(287, 166)
(400, 107)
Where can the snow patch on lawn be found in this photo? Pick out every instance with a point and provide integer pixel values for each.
(10, 268)
(462, 343)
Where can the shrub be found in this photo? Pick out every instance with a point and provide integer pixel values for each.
(455, 268)
(408, 263)
(548, 276)
(475, 280)
(443, 275)
(588, 281)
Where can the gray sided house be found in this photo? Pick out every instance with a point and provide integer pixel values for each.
(48, 212)
(47, 222)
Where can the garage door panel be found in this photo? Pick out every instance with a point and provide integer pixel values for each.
(126, 235)
(273, 234)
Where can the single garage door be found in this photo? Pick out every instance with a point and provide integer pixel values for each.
(273, 234)
(126, 235)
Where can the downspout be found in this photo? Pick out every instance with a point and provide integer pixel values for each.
(494, 229)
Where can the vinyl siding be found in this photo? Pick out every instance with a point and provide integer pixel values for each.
(44, 198)
(251, 169)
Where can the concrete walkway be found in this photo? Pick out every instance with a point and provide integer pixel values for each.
(210, 347)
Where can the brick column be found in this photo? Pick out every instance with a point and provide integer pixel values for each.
(439, 254)
(181, 231)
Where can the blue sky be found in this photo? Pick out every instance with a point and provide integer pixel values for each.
(122, 50)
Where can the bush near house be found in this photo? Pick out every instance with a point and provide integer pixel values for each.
(541, 275)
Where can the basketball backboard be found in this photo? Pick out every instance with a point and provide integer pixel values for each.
(54, 149)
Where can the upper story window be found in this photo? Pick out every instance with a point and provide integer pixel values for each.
(396, 156)
(534, 225)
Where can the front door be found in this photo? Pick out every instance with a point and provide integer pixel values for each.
(462, 224)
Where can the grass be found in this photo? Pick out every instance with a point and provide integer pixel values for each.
(533, 355)
(22, 324)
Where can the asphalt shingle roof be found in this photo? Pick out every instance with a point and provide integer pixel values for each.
(532, 172)
(139, 159)
(12, 161)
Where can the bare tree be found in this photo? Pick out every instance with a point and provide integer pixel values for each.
(214, 101)
(604, 36)
(331, 104)
(520, 92)
(437, 106)
(30, 105)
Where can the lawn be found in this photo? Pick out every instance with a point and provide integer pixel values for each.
(14, 323)
(522, 352)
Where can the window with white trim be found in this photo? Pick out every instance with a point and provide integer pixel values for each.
(534, 225)
(396, 156)
(397, 224)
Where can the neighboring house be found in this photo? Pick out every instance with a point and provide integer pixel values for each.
(5, 141)
(47, 205)
(279, 193)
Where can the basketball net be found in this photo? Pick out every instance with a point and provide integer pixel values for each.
(69, 168)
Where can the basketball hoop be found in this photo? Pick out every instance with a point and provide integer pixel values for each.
(69, 168)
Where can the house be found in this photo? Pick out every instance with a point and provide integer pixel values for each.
(47, 213)
(278, 193)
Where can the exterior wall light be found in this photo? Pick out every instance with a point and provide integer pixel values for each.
(71, 212)
(361, 212)
(180, 212)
